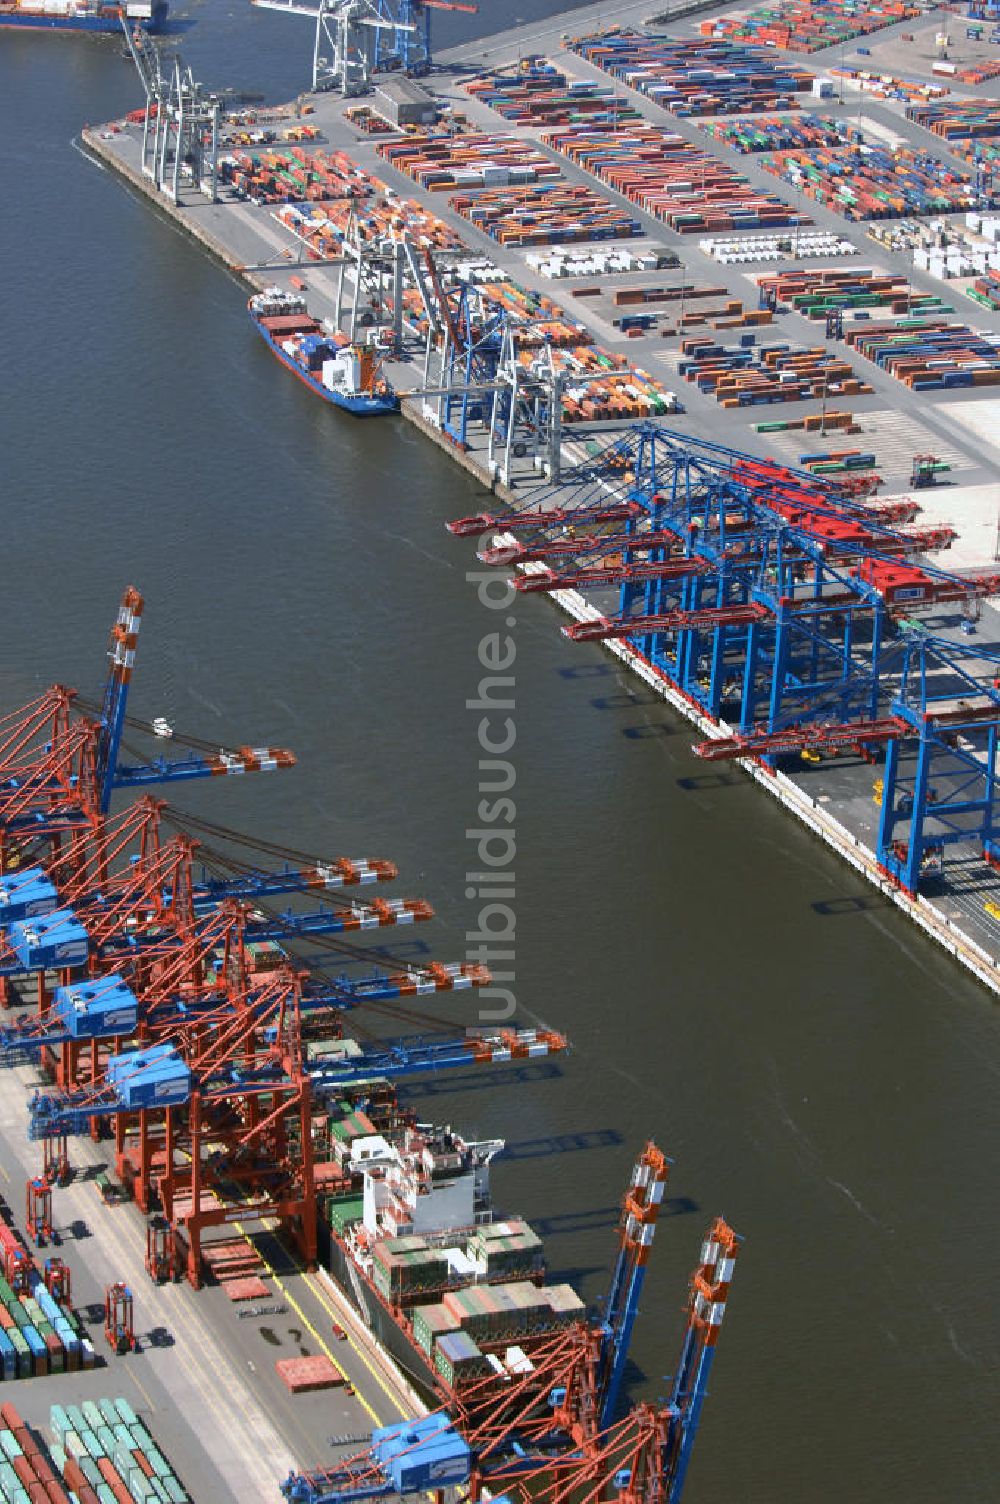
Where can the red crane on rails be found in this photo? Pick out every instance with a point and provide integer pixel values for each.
(531, 519)
(819, 738)
(59, 765)
(604, 627)
(597, 544)
(592, 576)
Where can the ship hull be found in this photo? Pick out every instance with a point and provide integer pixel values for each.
(23, 20)
(416, 1366)
(360, 406)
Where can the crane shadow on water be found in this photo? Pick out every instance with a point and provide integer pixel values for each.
(848, 903)
(563, 1143)
(595, 1218)
(492, 1080)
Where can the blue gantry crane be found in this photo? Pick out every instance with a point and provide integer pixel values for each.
(782, 603)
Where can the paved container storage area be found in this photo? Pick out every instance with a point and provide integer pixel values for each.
(801, 26)
(697, 77)
(865, 180)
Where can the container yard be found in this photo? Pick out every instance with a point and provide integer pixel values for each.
(749, 249)
(292, 177)
(865, 180)
(836, 654)
(555, 263)
(40, 1333)
(98, 1452)
(887, 86)
(749, 374)
(440, 163)
(782, 133)
(533, 92)
(958, 119)
(929, 354)
(323, 228)
(545, 214)
(696, 77)
(818, 294)
(945, 248)
(686, 189)
(800, 26)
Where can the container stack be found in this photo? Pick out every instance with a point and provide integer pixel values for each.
(107, 1456)
(538, 320)
(26, 1471)
(593, 262)
(818, 293)
(535, 319)
(986, 290)
(821, 422)
(886, 86)
(458, 1357)
(536, 93)
(38, 1334)
(506, 1248)
(441, 162)
(871, 181)
(782, 133)
(369, 121)
(343, 1211)
(489, 1314)
(698, 76)
(323, 227)
(600, 387)
(979, 73)
(931, 356)
(660, 172)
(837, 461)
(746, 376)
(555, 213)
(746, 250)
(296, 176)
(809, 25)
(404, 1268)
(959, 119)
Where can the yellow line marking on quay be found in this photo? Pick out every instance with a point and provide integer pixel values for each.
(371, 1412)
(142, 1388)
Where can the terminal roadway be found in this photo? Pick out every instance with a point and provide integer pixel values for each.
(204, 1377)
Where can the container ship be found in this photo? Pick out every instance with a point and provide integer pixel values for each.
(347, 375)
(85, 15)
(450, 1290)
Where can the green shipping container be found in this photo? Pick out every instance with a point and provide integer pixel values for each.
(344, 1211)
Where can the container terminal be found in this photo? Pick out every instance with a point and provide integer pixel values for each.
(561, 243)
(207, 1111)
